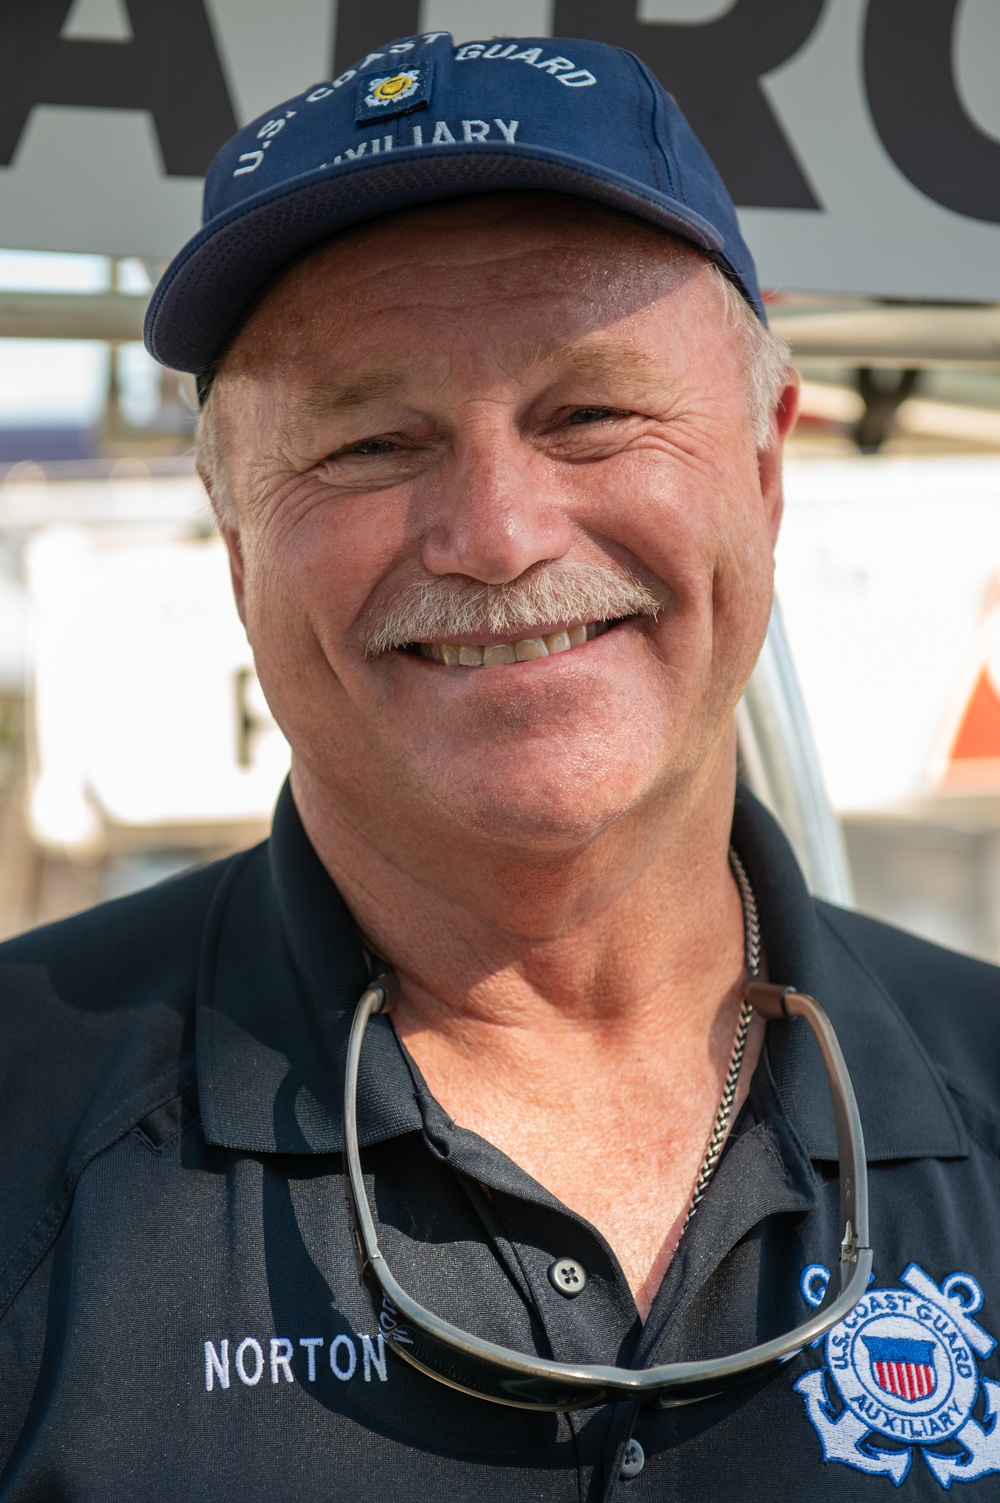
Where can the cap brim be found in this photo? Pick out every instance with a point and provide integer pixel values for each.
(211, 285)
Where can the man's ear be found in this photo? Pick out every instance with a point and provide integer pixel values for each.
(237, 570)
(769, 459)
(231, 537)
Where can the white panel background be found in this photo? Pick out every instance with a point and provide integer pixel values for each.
(91, 179)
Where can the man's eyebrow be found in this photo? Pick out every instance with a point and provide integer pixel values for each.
(593, 363)
(324, 399)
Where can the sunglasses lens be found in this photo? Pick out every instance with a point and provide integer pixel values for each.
(485, 1380)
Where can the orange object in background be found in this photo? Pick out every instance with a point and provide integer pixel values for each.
(973, 760)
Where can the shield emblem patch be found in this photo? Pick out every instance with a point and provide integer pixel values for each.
(903, 1368)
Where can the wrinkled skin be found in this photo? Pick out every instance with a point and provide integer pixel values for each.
(472, 390)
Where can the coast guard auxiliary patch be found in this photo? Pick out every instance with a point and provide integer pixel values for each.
(902, 1369)
(384, 95)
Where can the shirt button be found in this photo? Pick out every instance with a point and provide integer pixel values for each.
(568, 1276)
(634, 1460)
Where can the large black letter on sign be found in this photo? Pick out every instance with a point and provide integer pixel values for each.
(917, 111)
(363, 27)
(713, 71)
(169, 68)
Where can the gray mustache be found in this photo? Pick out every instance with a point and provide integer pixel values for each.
(561, 591)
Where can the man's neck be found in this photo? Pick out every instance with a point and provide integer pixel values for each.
(587, 932)
(579, 1013)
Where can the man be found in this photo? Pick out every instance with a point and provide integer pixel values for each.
(492, 425)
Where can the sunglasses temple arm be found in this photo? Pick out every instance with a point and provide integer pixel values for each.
(374, 1000)
(776, 1002)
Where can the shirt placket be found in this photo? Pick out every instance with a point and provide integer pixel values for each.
(567, 1275)
(591, 1316)
(764, 1176)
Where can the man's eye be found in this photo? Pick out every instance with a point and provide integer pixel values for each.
(594, 414)
(372, 446)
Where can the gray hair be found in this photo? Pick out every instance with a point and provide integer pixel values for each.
(766, 361)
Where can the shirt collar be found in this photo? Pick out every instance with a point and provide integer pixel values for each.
(282, 968)
(906, 1111)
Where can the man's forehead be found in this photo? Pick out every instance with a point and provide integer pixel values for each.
(543, 250)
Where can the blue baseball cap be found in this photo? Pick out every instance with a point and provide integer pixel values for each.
(421, 120)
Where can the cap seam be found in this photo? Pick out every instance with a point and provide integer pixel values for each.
(661, 161)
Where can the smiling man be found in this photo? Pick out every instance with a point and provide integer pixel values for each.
(512, 712)
(470, 1137)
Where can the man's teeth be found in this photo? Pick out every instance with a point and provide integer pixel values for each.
(523, 650)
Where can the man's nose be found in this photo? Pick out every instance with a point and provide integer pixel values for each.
(497, 512)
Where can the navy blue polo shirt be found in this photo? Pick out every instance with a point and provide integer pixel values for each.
(181, 1313)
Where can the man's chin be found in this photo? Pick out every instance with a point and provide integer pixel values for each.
(555, 814)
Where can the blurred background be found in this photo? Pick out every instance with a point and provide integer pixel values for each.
(861, 139)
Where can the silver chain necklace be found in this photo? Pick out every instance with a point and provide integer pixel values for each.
(751, 951)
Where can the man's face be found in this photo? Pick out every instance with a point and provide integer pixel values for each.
(492, 393)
